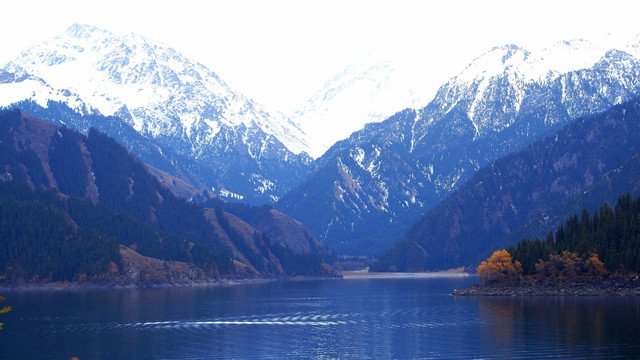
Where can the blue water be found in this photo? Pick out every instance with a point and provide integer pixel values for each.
(345, 319)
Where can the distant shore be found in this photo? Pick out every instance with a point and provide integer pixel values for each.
(365, 274)
(118, 285)
(81, 286)
(607, 287)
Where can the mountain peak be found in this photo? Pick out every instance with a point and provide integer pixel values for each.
(367, 91)
(511, 53)
(504, 100)
(497, 61)
(85, 31)
(539, 66)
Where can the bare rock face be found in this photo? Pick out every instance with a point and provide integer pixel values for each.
(143, 270)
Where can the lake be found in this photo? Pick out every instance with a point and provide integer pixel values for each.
(318, 319)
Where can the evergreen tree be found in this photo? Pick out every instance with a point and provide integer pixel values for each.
(607, 240)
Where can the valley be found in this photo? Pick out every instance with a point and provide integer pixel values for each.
(319, 179)
(524, 138)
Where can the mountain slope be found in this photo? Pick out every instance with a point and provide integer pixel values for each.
(289, 232)
(177, 103)
(52, 237)
(99, 171)
(163, 158)
(37, 240)
(592, 161)
(367, 190)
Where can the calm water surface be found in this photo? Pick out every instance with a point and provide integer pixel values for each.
(346, 319)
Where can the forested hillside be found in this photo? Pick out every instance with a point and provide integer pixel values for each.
(107, 190)
(49, 237)
(39, 240)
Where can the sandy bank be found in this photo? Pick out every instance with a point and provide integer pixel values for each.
(365, 274)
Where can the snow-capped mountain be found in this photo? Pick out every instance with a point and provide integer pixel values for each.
(371, 187)
(514, 70)
(179, 103)
(365, 92)
(371, 90)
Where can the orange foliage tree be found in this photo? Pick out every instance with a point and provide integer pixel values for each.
(500, 267)
(595, 267)
(4, 310)
(570, 266)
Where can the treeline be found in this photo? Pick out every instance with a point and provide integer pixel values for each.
(611, 236)
(52, 238)
(23, 165)
(67, 162)
(249, 213)
(146, 240)
(61, 115)
(295, 264)
(41, 242)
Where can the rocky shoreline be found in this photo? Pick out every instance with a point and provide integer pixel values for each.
(109, 285)
(124, 285)
(607, 287)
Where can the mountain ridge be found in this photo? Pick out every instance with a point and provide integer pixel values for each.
(587, 163)
(371, 90)
(471, 121)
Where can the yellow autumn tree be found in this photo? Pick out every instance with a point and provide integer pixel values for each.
(4, 310)
(500, 267)
(595, 267)
(569, 266)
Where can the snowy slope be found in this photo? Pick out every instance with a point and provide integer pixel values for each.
(510, 72)
(371, 91)
(16, 87)
(175, 101)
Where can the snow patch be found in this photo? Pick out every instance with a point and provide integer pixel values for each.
(229, 194)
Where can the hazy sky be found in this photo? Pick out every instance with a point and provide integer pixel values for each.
(280, 52)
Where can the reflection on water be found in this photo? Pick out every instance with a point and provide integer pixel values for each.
(565, 326)
(368, 318)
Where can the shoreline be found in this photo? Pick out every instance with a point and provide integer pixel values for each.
(100, 286)
(607, 287)
(365, 274)
(108, 286)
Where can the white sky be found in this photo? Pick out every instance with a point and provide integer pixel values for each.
(279, 52)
